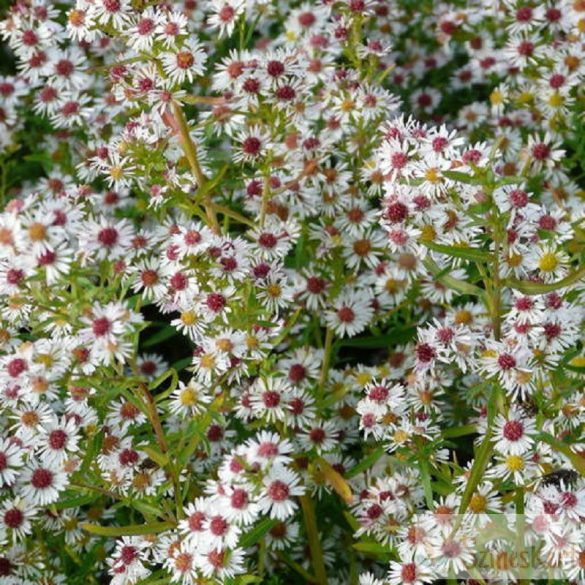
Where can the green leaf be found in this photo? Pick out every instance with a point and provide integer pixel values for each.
(576, 460)
(165, 333)
(161, 459)
(372, 548)
(461, 177)
(537, 288)
(365, 463)
(381, 341)
(353, 523)
(483, 456)
(461, 286)
(131, 530)
(76, 501)
(426, 481)
(511, 180)
(460, 431)
(465, 252)
(182, 363)
(253, 536)
(170, 373)
(335, 480)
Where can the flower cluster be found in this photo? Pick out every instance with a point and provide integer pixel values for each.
(290, 291)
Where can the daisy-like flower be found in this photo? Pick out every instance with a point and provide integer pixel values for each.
(106, 238)
(142, 34)
(192, 526)
(254, 145)
(321, 436)
(225, 14)
(220, 563)
(311, 289)
(15, 518)
(550, 262)
(521, 469)
(521, 51)
(452, 552)
(149, 277)
(185, 63)
(239, 506)
(58, 441)
(219, 530)
(574, 563)
(370, 579)
(181, 564)
(10, 461)
(40, 483)
(275, 293)
(127, 561)
(269, 449)
(189, 399)
(511, 366)
(151, 365)
(192, 323)
(123, 413)
(110, 12)
(512, 434)
(269, 397)
(172, 26)
(544, 152)
(409, 573)
(352, 312)
(280, 486)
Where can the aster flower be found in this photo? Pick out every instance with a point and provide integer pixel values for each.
(184, 63)
(40, 483)
(280, 486)
(350, 315)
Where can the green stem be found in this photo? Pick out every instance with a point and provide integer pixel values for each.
(190, 150)
(326, 359)
(495, 295)
(314, 540)
(164, 447)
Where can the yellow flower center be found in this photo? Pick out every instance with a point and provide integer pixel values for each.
(496, 97)
(514, 260)
(478, 503)
(433, 175)
(141, 481)
(347, 105)
(463, 317)
(274, 290)
(224, 345)
(252, 342)
(37, 232)
(400, 436)
(514, 463)
(189, 318)
(548, 262)
(207, 361)
(188, 397)
(116, 173)
(363, 378)
(556, 100)
(428, 233)
(523, 377)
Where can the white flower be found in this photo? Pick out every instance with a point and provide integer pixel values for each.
(10, 461)
(185, 63)
(513, 433)
(225, 15)
(41, 483)
(352, 312)
(280, 486)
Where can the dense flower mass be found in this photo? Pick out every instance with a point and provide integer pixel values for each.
(291, 291)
